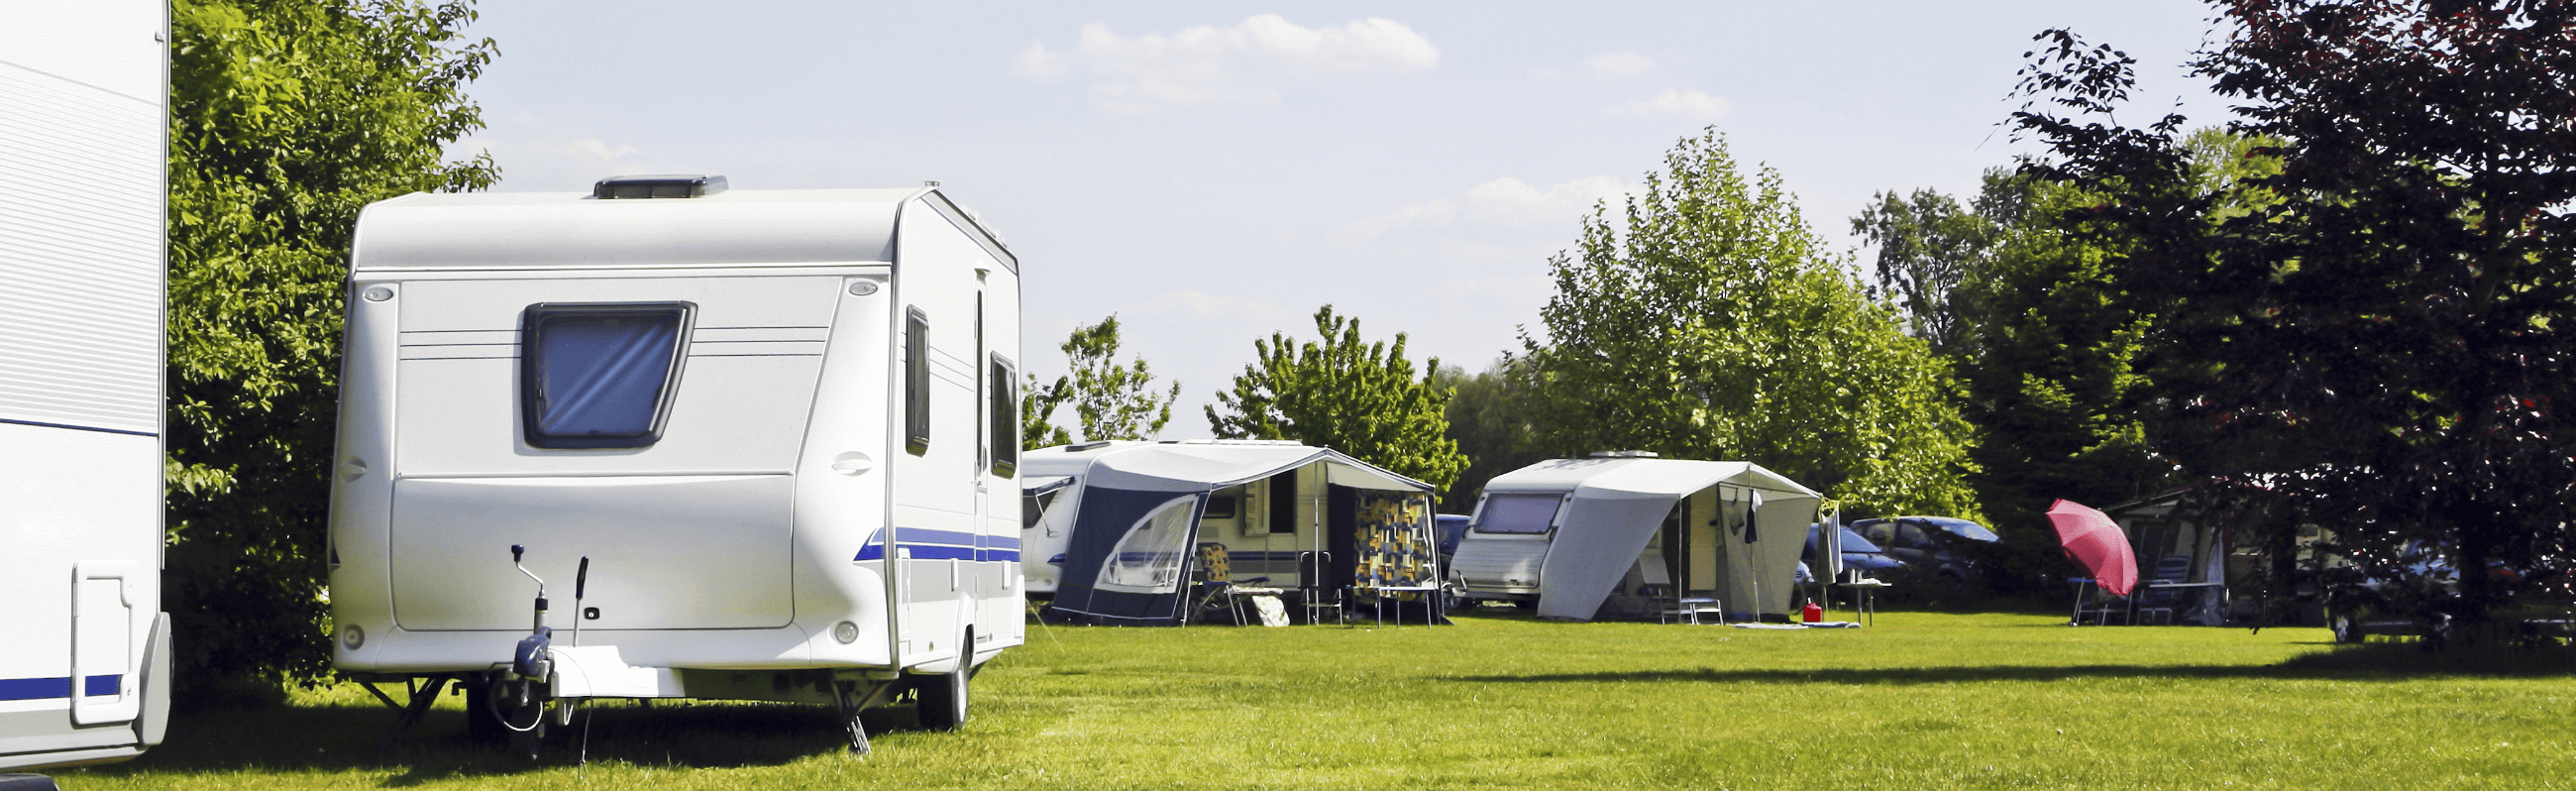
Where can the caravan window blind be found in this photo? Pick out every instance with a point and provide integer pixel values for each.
(916, 382)
(600, 375)
(1006, 418)
(1517, 513)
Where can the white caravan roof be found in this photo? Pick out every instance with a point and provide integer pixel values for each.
(1202, 465)
(1644, 478)
(1615, 506)
(560, 230)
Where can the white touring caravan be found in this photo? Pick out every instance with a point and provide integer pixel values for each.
(1627, 535)
(84, 646)
(753, 445)
(1124, 531)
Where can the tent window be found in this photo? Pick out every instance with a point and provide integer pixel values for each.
(1006, 419)
(600, 375)
(916, 382)
(1148, 559)
(1519, 514)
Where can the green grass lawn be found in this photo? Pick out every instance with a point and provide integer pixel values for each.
(1920, 701)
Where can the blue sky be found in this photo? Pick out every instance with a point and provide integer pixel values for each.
(1213, 172)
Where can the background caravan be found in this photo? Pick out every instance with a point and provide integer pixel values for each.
(1629, 537)
(1121, 542)
(84, 646)
(703, 413)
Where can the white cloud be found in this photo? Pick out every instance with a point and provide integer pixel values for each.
(1203, 305)
(1233, 65)
(592, 146)
(1511, 195)
(1608, 65)
(1688, 105)
(1504, 201)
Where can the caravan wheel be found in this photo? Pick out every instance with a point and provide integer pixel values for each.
(942, 698)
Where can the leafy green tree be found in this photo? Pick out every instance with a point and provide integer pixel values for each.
(2378, 333)
(1347, 394)
(285, 119)
(1111, 399)
(1489, 419)
(1717, 326)
(1927, 246)
(1037, 413)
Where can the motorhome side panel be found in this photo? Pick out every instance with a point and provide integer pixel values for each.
(1000, 587)
(945, 494)
(82, 118)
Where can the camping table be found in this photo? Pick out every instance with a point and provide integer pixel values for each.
(1430, 594)
(1865, 599)
(2152, 585)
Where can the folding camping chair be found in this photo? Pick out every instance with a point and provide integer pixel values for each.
(2157, 600)
(2102, 605)
(1312, 593)
(1216, 580)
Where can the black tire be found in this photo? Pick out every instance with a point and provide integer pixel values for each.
(942, 699)
(480, 723)
(2347, 629)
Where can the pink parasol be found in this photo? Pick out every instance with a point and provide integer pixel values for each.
(2096, 542)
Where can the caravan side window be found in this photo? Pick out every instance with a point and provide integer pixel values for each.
(599, 375)
(916, 382)
(1006, 419)
(1517, 513)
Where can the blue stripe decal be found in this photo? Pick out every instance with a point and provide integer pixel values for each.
(936, 552)
(1011, 555)
(74, 428)
(911, 535)
(50, 688)
(34, 688)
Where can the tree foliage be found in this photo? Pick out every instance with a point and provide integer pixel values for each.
(2377, 334)
(285, 119)
(1345, 393)
(1717, 326)
(1489, 419)
(1037, 413)
(1111, 399)
(1927, 246)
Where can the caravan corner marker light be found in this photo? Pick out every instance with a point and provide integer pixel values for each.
(861, 288)
(846, 632)
(378, 294)
(351, 636)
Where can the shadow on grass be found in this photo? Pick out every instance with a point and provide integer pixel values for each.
(343, 739)
(2389, 662)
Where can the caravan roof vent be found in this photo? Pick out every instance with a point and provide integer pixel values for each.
(672, 186)
(1623, 454)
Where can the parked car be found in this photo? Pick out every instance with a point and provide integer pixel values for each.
(1859, 553)
(1929, 545)
(2424, 571)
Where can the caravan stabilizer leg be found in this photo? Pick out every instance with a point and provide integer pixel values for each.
(845, 695)
(422, 696)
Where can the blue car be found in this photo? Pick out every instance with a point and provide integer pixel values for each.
(1929, 544)
(1858, 553)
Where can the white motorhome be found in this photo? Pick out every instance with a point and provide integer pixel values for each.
(1124, 526)
(1624, 534)
(84, 646)
(764, 444)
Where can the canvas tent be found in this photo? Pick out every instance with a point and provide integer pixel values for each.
(1127, 551)
(1616, 536)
